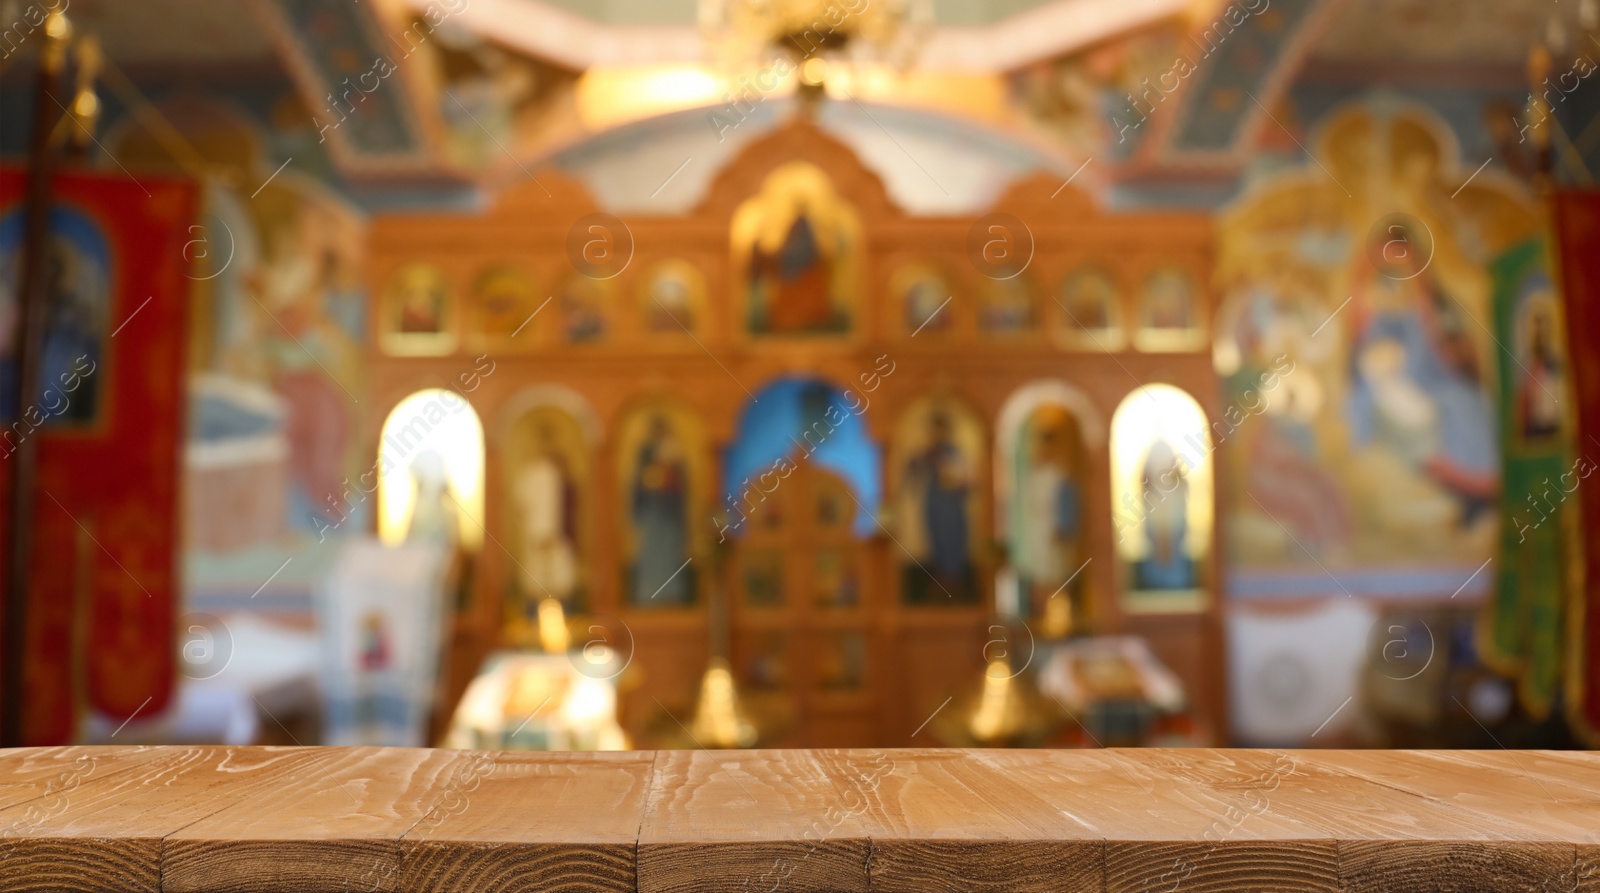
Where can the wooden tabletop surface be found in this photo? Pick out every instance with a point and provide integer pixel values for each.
(307, 820)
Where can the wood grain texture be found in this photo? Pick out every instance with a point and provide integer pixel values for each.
(942, 820)
(330, 823)
(32, 773)
(1586, 869)
(749, 821)
(103, 823)
(1571, 769)
(1544, 807)
(1537, 853)
(1430, 866)
(1189, 830)
(483, 836)
(216, 820)
(1459, 848)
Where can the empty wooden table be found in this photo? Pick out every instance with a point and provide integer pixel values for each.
(306, 820)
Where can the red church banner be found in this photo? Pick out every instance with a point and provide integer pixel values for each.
(1578, 232)
(108, 420)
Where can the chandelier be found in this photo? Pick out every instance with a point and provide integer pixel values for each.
(747, 35)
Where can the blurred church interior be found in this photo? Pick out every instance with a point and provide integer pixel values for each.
(605, 374)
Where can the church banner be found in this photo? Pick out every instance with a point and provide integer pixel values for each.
(108, 421)
(1577, 227)
(1523, 636)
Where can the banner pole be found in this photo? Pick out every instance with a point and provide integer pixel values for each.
(30, 334)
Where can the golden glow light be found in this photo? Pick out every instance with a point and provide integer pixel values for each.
(608, 97)
(1151, 413)
(990, 720)
(814, 71)
(553, 636)
(613, 95)
(445, 423)
(718, 721)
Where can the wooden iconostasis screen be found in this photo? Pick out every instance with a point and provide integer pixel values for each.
(836, 416)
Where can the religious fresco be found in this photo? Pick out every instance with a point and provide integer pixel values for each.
(78, 279)
(1240, 49)
(275, 267)
(1082, 99)
(503, 300)
(1006, 306)
(797, 254)
(347, 55)
(583, 308)
(1177, 88)
(1168, 317)
(1044, 472)
(485, 92)
(1354, 337)
(1161, 498)
(922, 296)
(936, 466)
(1091, 311)
(284, 362)
(662, 475)
(672, 298)
(547, 459)
(416, 312)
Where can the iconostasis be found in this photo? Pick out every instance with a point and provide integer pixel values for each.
(842, 422)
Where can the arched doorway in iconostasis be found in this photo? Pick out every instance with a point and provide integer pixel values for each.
(1047, 437)
(804, 488)
(1163, 520)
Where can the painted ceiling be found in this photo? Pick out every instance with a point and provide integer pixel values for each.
(1456, 31)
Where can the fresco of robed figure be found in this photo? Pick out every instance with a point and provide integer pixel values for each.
(1162, 509)
(1167, 564)
(1401, 467)
(797, 248)
(934, 508)
(1417, 389)
(658, 469)
(547, 465)
(1047, 513)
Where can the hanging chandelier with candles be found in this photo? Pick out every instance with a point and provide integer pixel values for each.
(744, 35)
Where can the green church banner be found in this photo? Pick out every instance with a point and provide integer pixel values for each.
(1522, 635)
